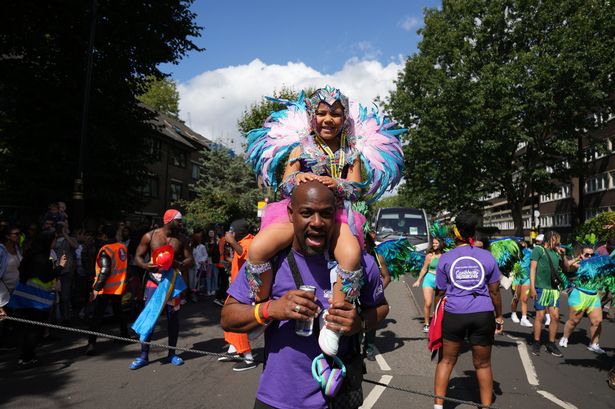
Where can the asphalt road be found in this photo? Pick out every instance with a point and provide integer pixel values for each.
(67, 378)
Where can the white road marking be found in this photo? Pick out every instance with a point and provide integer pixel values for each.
(381, 362)
(556, 400)
(528, 366)
(373, 396)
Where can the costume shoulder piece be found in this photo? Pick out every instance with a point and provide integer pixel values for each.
(369, 135)
(506, 252)
(400, 257)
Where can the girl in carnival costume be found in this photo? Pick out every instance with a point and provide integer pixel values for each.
(593, 274)
(330, 139)
(521, 288)
(440, 242)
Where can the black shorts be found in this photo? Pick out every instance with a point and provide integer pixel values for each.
(477, 327)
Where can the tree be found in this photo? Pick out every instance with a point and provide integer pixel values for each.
(43, 49)
(226, 190)
(162, 96)
(498, 96)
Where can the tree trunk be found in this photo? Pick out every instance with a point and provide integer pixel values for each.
(516, 210)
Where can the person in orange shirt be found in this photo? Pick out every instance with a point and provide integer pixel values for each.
(110, 284)
(226, 256)
(239, 238)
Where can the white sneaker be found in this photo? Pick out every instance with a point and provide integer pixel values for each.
(547, 320)
(525, 322)
(563, 342)
(596, 348)
(328, 340)
(514, 318)
(426, 328)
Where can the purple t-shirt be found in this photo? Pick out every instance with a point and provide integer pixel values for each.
(286, 382)
(465, 273)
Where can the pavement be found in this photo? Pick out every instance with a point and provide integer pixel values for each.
(68, 378)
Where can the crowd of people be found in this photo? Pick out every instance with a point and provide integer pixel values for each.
(65, 265)
(311, 279)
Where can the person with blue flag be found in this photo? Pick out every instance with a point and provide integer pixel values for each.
(170, 255)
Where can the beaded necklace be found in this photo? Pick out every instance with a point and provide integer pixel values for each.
(336, 168)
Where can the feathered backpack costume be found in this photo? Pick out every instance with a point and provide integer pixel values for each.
(594, 274)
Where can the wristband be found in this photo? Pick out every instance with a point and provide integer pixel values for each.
(266, 310)
(257, 315)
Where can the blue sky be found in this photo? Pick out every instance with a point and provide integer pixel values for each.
(256, 47)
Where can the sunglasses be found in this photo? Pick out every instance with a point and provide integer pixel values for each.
(587, 255)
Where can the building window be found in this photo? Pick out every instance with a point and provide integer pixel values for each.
(178, 158)
(597, 183)
(152, 148)
(562, 193)
(176, 191)
(149, 188)
(589, 213)
(562, 219)
(196, 171)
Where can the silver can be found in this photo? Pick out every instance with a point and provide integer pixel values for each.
(304, 328)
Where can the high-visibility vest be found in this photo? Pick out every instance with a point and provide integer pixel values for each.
(116, 281)
(33, 294)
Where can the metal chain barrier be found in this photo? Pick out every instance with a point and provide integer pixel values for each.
(230, 356)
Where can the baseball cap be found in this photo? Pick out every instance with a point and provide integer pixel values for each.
(540, 237)
(171, 215)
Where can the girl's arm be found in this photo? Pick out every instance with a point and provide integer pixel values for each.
(346, 188)
(293, 175)
(423, 270)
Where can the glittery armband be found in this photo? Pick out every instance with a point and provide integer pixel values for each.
(253, 274)
(348, 190)
(288, 184)
(352, 281)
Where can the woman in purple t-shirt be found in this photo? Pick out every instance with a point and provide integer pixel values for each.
(471, 280)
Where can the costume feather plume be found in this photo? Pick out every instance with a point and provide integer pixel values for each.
(376, 139)
(596, 273)
(506, 252)
(400, 257)
(524, 266)
(269, 146)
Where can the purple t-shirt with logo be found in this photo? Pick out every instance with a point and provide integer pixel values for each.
(287, 382)
(465, 273)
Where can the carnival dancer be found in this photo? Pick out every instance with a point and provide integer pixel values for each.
(472, 308)
(546, 267)
(331, 140)
(427, 276)
(521, 289)
(239, 238)
(593, 274)
(164, 283)
(109, 285)
(34, 295)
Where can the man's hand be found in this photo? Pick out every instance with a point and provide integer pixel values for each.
(93, 295)
(533, 293)
(229, 236)
(294, 305)
(343, 317)
(2, 313)
(151, 266)
(63, 261)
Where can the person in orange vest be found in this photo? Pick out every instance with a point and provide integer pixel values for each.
(109, 285)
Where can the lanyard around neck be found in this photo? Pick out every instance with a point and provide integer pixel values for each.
(336, 170)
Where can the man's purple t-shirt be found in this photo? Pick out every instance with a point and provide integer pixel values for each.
(465, 273)
(286, 382)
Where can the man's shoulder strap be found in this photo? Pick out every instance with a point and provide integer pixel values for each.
(292, 263)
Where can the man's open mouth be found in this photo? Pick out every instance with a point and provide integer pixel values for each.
(315, 239)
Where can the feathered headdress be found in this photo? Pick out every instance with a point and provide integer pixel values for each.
(588, 240)
(441, 232)
(596, 273)
(370, 134)
(506, 252)
(401, 257)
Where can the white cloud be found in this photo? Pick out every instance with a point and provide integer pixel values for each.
(212, 102)
(410, 23)
(369, 51)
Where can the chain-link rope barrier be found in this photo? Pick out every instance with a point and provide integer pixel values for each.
(231, 357)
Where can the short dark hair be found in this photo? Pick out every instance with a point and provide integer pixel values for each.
(466, 222)
(108, 231)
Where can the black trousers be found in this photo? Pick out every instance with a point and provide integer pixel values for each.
(30, 333)
(102, 301)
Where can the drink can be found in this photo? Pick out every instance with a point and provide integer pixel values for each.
(304, 328)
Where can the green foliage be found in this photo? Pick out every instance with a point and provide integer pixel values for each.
(498, 92)
(161, 95)
(226, 190)
(599, 226)
(392, 201)
(44, 48)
